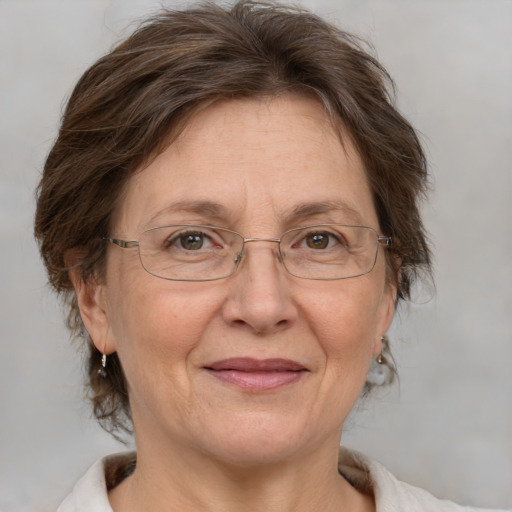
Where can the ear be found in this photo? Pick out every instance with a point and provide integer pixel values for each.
(386, 314)
(91, 298)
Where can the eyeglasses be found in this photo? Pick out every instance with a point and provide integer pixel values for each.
(191, 252)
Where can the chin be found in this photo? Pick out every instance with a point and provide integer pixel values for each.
(260, 441)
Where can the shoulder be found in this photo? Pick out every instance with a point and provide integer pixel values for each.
(90, 494)
(392, 495)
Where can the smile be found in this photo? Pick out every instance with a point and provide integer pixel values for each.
(254, 375)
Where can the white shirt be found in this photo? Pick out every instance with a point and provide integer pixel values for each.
(391, 495)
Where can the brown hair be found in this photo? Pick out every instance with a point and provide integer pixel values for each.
(132, 102)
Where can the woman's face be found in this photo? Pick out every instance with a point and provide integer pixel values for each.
(262, 365)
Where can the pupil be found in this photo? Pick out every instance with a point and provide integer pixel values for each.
(192, 242)
(318, 241)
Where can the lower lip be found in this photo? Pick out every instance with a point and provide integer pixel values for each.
(257, 381)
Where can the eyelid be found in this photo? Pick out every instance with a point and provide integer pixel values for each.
(302, 236)
(175, 236)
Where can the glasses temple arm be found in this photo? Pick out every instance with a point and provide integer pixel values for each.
(124, 244)
(384, 239)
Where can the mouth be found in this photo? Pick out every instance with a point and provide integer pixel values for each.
(257, 375)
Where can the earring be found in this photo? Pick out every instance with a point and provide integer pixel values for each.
(384, 347)
(103, 370)
(381, 370)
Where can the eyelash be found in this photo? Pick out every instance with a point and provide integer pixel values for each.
(181, 235)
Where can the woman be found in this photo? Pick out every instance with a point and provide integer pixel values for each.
(231, 211)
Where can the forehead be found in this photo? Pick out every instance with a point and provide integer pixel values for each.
(252, 160)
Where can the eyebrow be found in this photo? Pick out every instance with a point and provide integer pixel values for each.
(209, 208)
(306, 210)
(298, 213)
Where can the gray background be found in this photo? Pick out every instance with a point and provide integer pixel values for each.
(448, 426)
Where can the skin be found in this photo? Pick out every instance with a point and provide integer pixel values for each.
(204, 444)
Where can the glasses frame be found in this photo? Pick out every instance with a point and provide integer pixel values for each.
(130, 244)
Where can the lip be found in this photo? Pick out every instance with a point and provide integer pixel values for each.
(257, 375)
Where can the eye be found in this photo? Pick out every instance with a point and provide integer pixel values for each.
(317, 240)
(191, 241)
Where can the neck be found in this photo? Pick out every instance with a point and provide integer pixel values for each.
(202, 483)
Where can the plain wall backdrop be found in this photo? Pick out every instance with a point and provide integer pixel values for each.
(448, 425)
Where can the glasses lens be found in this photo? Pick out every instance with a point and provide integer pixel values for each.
(189, 252)
(329, 251)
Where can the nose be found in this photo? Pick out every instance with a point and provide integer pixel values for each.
(259, 297)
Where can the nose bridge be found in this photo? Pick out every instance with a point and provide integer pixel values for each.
(270, 240)
(259, 296)
(248, 240)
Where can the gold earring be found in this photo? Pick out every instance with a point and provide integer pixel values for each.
(382, 370)
(380, 358)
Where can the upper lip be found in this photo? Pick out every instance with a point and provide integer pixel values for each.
(248, 364)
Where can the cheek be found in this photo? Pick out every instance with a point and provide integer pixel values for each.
(345, 320)
(349, 308)
(155, 323)
(158, 329)
(164, 319)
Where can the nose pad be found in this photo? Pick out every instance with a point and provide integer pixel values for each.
(238, 258)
